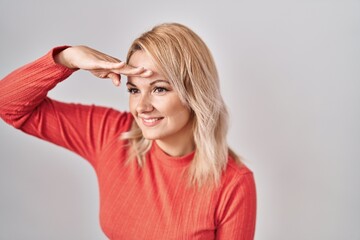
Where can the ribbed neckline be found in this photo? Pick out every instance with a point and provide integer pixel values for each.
(168, 160)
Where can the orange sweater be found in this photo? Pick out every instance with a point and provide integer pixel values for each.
(153, 202)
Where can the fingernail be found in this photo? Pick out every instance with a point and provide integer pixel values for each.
(148, 73)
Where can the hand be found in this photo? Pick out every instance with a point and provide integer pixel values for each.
(98, 63)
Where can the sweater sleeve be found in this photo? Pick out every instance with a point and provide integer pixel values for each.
(82, 129)
(237, 210)
(26, 87)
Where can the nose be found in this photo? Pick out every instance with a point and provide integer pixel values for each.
(144, 104)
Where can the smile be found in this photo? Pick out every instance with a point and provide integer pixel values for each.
(150, 122)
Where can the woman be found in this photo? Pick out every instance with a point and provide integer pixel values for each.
(164, 170)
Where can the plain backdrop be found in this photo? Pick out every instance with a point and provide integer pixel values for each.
(290, 75)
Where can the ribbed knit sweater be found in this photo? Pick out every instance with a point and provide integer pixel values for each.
(152, 202)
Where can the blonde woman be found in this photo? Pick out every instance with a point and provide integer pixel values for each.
(164, 169)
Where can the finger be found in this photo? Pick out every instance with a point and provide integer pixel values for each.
(129, 71)
(115, 78)
(109, 65)
(146, 73)
(133, 71)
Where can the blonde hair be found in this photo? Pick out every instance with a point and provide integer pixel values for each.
(185, 60)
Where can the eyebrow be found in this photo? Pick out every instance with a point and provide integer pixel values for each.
(152, 83)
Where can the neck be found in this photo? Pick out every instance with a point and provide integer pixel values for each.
(175, 149)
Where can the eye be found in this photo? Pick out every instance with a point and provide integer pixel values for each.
(133, 90)
(160, 90)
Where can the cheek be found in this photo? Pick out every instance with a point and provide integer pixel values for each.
(183, 116)
(179, 113)
(169, 106)
(132, 104)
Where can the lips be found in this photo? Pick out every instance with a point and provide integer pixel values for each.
(151, 121)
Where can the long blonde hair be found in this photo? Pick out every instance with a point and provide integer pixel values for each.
(185, 60)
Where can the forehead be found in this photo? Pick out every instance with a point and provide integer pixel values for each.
(141, 58)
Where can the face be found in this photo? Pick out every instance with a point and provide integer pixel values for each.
(157, 108)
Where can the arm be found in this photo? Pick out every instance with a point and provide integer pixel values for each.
(237, 210)
(83, 129)
(25, 88)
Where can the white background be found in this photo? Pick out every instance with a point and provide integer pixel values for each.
(290, 75)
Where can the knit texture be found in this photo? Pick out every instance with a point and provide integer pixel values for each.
(152, 202)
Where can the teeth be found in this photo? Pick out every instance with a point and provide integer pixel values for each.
(151, 120)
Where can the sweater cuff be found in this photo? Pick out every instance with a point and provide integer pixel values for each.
(55, 51)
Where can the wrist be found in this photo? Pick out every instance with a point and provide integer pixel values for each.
(62, 58)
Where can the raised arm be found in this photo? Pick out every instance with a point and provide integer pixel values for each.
(25, 88)
(98, 63)
(83, 129)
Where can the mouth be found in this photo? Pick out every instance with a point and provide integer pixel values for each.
(150, 122)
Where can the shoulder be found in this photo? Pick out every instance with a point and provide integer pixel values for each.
(235, 171)
(237, 182)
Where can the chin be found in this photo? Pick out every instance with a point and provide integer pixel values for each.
(149, 136)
